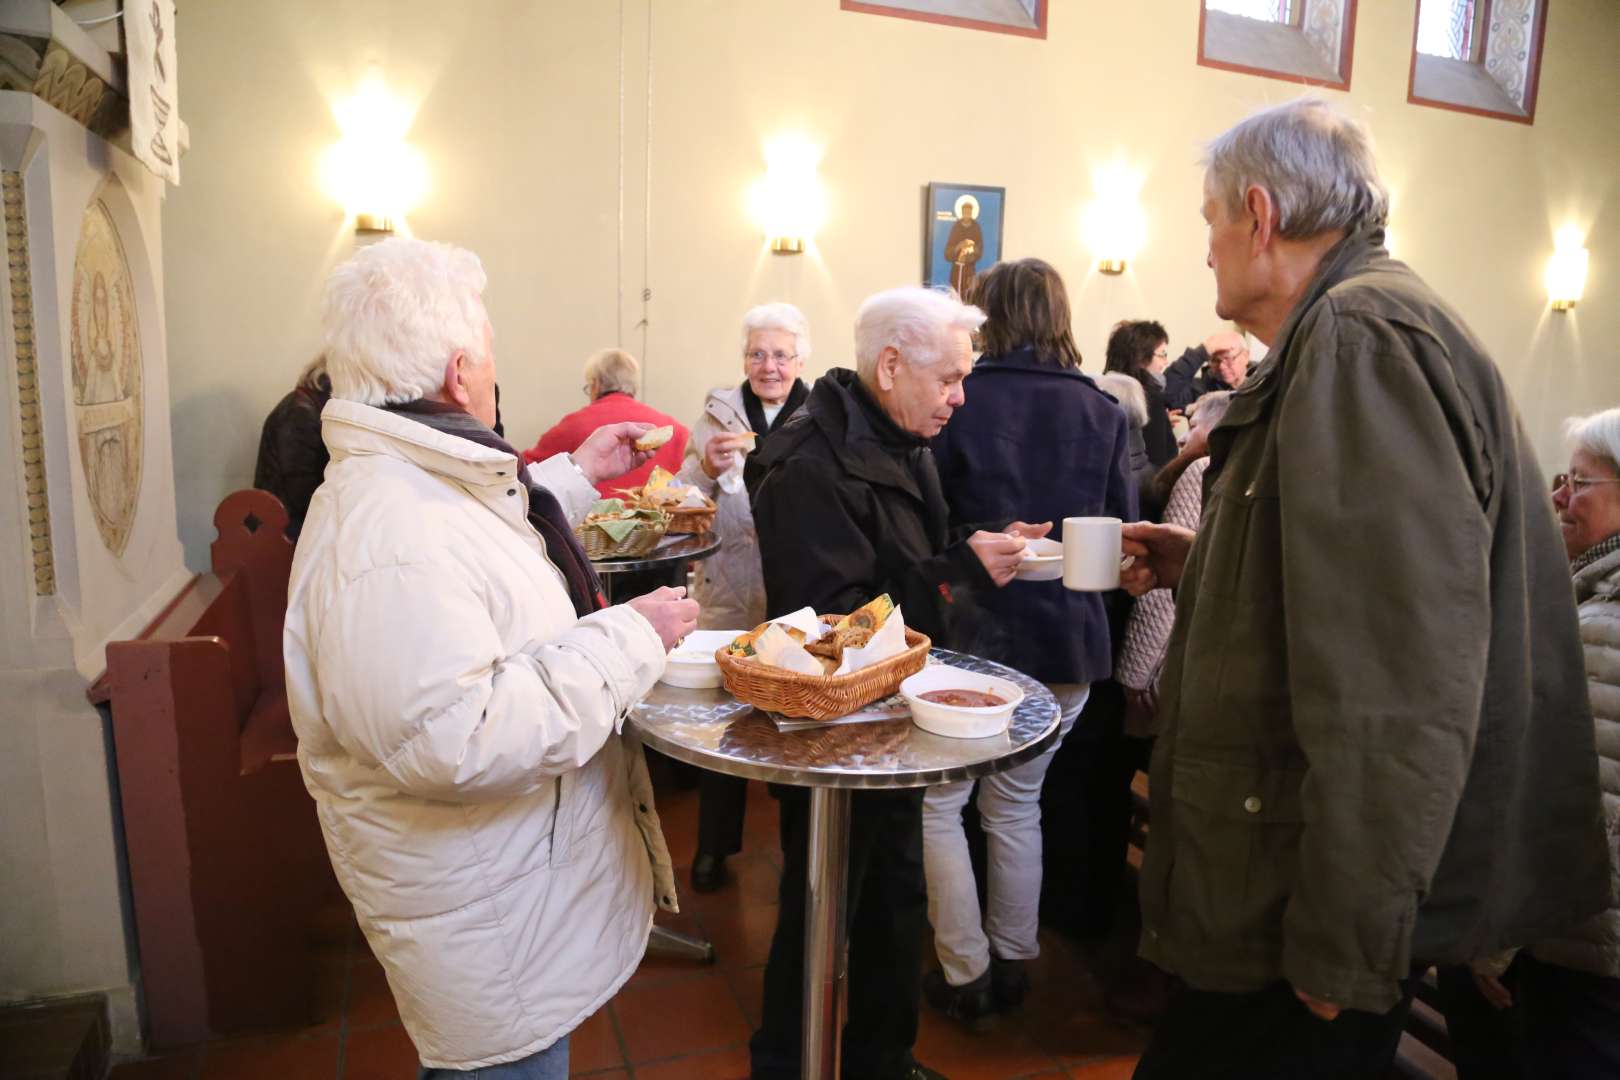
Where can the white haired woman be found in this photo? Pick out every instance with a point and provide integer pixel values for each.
(1566, 988)
(457, 686)
(736, 420)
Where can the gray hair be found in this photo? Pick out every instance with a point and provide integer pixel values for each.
(914, 321)
(1598, 435)
(1210, 409)
(612, 371)
(1316, 163)
(779, 316)
(394, 313)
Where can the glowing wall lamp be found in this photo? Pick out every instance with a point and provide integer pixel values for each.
(1115, 225)
(787, 202)
(1566, 270)
(372, 171)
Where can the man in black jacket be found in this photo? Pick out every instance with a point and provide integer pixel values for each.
(1220, 363)
(848, 505)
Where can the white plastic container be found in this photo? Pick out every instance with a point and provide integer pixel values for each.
(691, 665)
(955, 721)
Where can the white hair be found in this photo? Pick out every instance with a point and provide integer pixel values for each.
(913, 320)
(1598, 435)
(394, 313)
(1316, 163)
(779, 316)
(613, 371)
(1210, 409)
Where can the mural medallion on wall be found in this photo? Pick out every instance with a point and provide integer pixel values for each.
(107, 377)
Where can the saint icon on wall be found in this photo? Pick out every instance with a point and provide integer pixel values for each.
(963, 234)
(106, 354)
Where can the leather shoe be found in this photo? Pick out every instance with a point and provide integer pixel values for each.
(709, 872)
(969, 1005)
(1009, 982)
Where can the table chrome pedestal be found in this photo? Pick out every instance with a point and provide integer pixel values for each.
(713, 730)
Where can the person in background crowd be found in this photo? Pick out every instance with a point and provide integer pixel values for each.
(848, 504)
(1035, 439)
(612, 382)
(1564, 991)
(1373, 711)
(292, 458)
(1220, 363)
(735, 420)
(1141, 349)
(1147, 631)
(1133, 400)
(458, 690)
(1133, 989)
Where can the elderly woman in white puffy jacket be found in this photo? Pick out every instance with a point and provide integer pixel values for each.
(458, 689)
(735, 420)
(1564, 991)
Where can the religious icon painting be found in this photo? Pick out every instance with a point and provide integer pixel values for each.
(962, 234)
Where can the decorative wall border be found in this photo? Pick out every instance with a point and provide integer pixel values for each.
(29, 423)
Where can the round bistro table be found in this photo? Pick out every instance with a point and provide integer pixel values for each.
(713, 730)
(670, 556)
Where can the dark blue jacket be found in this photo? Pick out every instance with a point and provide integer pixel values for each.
(1036, 442)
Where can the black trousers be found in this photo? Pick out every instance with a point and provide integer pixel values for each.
(887, 917)
(1086, 817)
(722, 801)
(1269, 1035)
(1571, 1021)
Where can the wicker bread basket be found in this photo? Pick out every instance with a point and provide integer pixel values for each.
(642, 539)
(821, 697)
(692, 519)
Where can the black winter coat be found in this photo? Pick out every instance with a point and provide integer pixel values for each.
(847, 506)
(292, 457)
(1158, 433)
(1037, 442)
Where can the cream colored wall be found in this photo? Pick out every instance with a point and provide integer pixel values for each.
(521, 124)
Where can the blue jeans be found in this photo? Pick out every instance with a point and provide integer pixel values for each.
(549, 1064)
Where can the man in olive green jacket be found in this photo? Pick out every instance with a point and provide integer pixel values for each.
(1377, 748)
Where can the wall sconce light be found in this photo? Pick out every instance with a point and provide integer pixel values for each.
(1566, 270)
(787, 202)
(372, 171)
(1114, 223)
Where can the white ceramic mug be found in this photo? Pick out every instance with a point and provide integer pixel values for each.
(1091, 553)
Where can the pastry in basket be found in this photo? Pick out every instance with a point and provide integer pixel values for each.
(619, 520)
(744, 645)
(870, 615)
(852, 631)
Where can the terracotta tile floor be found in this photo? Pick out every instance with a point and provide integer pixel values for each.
(675, 1019)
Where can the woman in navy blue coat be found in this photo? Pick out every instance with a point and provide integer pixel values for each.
(1036, 440)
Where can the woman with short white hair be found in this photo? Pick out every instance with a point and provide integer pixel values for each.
(458, 687)
(736, 420)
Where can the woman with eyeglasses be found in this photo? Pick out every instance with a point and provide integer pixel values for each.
(1564, 991)
(735, 421)
(1141, 349)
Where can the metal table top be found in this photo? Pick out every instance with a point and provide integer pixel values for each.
(713, 730)
(688, 546)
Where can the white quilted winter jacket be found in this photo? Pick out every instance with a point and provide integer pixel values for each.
(457, 728)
